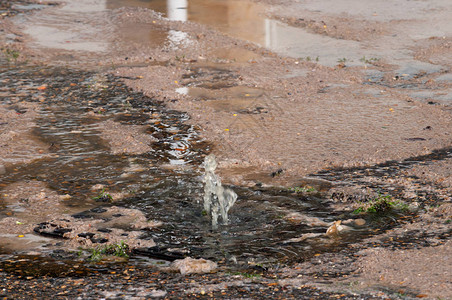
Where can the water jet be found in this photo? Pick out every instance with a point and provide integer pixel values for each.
(217, 199)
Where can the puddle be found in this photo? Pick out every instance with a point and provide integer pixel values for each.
(434, 97)
(58, 30)
(243, 20)
(239, 19)
(61, 38)
(217, 89)
(11, 242)
(247, 21)
(79, 27)
(234, 99)
(143, 34)
(37, 266)
(416, 67)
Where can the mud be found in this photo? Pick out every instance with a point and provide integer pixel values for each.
(357, 105)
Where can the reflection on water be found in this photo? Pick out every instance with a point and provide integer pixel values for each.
(240, 19)
(143, 34)
(58, 30)
(63, 38)
(246, 20)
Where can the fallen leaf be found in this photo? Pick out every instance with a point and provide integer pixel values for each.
(272, 284)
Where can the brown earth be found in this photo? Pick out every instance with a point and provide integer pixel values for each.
(17, 143)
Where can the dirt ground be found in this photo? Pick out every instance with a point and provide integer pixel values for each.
(374, 87)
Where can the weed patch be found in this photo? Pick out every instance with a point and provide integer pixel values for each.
(303, 189)
(11, 54)
(103, 197)
(119, 250)
(381, 204)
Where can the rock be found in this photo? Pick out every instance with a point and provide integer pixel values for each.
(190, 265)
(65, 197)
(299, 218)
(303, 237)
(157, 294)
(354, 222)
(360, 222)
(97, 187)
(337, 228)
(333, 229)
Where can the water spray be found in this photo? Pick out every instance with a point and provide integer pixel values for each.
(217, 199)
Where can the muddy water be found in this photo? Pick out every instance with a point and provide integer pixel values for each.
(239, 19)
(165, 182)
(249, 21)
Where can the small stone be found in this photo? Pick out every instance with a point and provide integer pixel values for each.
(65, 197)
(157, 294)
(334, 229)
(97, 187)
(360, 222)
(190, 265)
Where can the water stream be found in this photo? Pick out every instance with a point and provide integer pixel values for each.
(166, 184)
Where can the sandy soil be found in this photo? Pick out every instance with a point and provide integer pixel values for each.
(426, 270)
(125, 138)
(386, 96)
(17, 142)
